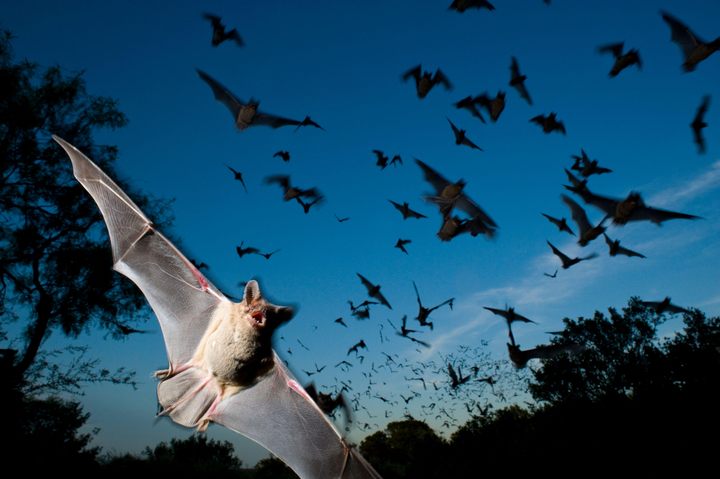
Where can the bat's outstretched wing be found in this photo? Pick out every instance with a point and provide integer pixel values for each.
(681, 34)
(578, 215)
(278, 414)
(657, 215)
(274, 121)
(183, 300)
(222, 94)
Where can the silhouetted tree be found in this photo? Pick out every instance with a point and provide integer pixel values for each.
(273, 468)
(52, 239)
(405, 449)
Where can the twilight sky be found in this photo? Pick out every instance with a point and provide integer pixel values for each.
(341, 63)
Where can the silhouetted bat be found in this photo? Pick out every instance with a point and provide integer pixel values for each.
(243, 251)
(554, 275)
(698, 124)
(425, 81)
(586, 232)
(449, 196)
(245, 114)
(549, 123)
(381, 159)
(462, 5)
(238, 176)
(586, 166)
(373, 290)
(327, 403)
(470, 104)
(460, 138)
(560, 223)
(453, 226)
(340, 322)
(665, 306)
(622, 60)
(456, 378)
(306, 206)
(307, 121)
(510, 315)
(694, 49)
(494, 106)
(405, 210)
(566, 260)
(222, 367)
(521, 357)
(400, 244)
(268, 255)
(290, 192)
(615, 248)
(283, 155)
(341, 220)
(405, 332)
(424, 312)
(201, 265)
(220, 34)
(632, 208)
(395, 160)
(355, 347)
(517, 81)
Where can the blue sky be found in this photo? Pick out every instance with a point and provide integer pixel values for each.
(341, 64)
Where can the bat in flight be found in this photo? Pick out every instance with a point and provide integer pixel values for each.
(517, 81)
(220, 33)
(461, 138)
(694, 48)
(622, 60)
(699, 123)
(222, 367)
(246, 114)
(632, 208)
(549, 123)
(426, 81)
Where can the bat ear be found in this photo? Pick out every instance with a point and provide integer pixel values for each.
(280, 314)
(252, 292)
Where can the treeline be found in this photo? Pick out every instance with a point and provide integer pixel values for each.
(634, 401)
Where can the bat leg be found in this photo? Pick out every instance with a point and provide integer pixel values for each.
(188, 396)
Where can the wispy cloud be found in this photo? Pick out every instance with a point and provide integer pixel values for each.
(689, 189)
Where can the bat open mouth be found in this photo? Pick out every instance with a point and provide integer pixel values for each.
(257, 319)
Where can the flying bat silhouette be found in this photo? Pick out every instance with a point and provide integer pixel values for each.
(238, 176)
(554, 275)
(245, 114)
(341, 322)
(586, 232)
(356, 347)
(456, 378)
(405, 332)
(665, 306)
(510, 315)
(560, 223)
(587, 167)
(494, 106)
(243, 384)
(622, 60)
(694, 49)
(341, 220)
(449, 196)
(632, 208)
(290, 192)
(381, 159)
(373, 290)
(405, 210)
(615, 248)
(461, 5)
(426, 81)
(460, 138)
(566, 260)
(400, 244)
(283, 155)
(470, 104)
(549, 123)
(241, 251)
(517, 81)
(220, 34)
(453, 226)
(327, 403)
(698, 124)
(424, 312)
(307, 205)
